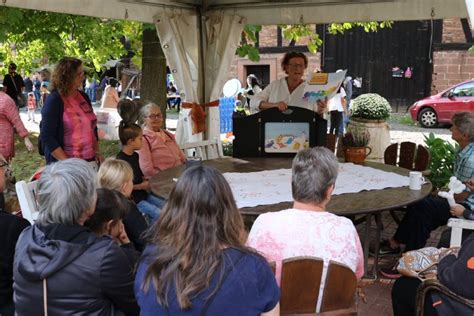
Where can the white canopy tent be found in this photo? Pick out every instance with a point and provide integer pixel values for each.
(199, 37)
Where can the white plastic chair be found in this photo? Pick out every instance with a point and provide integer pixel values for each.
(457, 225)
(26, 198)
(206, 149)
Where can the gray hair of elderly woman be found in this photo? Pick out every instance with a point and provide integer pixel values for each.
(314, 171)
(65, 190)
(145, 111)
(464, 121)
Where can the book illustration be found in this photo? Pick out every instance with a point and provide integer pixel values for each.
(286, 137)
(320, 86)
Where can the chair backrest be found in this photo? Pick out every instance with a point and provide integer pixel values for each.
(301, 281)
(206, 149)
(26, 198)
(412, 157)
(457, 225)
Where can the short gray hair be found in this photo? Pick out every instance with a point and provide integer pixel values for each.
(314, 171)
(464, 121)
(65, 190)
(145, 111)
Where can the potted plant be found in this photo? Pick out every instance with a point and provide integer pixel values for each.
(370, 111)
(355, 142)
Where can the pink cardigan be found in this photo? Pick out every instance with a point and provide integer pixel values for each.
(156, 155)
(9, 122)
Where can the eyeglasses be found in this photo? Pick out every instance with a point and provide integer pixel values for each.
(296, 65)
(155, 116)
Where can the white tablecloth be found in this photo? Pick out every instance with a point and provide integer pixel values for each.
(274, 186)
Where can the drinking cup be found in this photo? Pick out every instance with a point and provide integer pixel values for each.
(416, 180)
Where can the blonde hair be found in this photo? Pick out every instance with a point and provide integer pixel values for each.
(114, 173)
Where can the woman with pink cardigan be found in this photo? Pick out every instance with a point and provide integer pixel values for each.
(9, 123)
(159, 150)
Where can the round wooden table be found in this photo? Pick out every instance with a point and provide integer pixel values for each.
(370, 204)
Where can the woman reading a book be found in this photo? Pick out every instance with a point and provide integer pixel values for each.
(287, 91)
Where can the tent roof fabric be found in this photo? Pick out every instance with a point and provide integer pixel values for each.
(260, 12)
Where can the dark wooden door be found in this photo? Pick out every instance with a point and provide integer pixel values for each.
(372, 56)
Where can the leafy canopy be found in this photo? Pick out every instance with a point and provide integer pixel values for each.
(32, 38)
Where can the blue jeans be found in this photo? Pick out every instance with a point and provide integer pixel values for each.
(151, 207)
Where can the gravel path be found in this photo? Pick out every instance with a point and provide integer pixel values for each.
(402, 132)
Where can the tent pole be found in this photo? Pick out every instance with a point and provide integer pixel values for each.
(202, 54)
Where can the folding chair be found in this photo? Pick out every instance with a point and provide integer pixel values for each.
(26, 197)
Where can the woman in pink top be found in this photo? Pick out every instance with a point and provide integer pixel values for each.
(160, 150)
(307, 229)
(110, 98)
(9, 123)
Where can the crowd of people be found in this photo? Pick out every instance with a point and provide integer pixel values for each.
(103, 244)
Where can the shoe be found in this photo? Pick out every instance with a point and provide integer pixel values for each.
(386, 250)
(390, 273)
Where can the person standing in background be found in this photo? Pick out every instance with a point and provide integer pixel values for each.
(13, 84)
(28, 84)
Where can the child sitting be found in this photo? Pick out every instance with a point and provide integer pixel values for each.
(31, 107)
(131, 137)
(110, 210)
(117, 175)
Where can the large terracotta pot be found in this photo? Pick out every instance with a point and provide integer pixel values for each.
(356, 155)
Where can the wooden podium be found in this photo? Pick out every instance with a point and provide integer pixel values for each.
(255, 134)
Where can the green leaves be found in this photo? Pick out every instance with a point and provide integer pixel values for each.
(31, 38)
(443, 155)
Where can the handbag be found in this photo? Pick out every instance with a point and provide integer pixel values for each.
(422, 263)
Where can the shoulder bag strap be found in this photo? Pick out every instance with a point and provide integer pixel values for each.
(12, 78)
(221, 281)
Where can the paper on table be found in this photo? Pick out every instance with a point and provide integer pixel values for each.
(274, 186)
(320, 86)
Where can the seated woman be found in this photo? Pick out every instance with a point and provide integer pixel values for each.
(160, 150)
(287, 91)
(61, 261)
(456, 273)
(107, 220)
(197, 263)
(307, 229)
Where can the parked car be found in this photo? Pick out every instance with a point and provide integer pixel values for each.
(440, 108)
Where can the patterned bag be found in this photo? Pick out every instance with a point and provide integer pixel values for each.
(422, 263)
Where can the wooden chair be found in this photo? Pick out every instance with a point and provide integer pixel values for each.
(300, 284)
(411, 157)
(206, 149)
(26, 198)
(434, 285)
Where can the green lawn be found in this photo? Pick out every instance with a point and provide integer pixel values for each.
(24, 163)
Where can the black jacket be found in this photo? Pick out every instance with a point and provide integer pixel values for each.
(11, 227)
(85, 274)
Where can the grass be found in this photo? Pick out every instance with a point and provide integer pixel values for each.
(24, 164)
(402, 118)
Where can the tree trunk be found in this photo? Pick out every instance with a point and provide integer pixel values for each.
(153, 81)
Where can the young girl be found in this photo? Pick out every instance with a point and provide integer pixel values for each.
(31, 107)
(110, 211)
(117, 175)
(198, 263)
(131, 137)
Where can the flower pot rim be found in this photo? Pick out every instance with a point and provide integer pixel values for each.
(365, 120)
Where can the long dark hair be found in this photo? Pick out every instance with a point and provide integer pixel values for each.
(111, 206)
(199, 220)
(128, 129)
